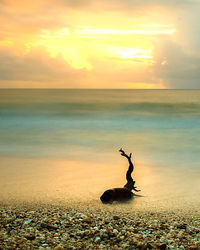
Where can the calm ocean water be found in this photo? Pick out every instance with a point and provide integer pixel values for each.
(67, 141)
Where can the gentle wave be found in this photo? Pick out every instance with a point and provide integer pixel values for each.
(86, 109)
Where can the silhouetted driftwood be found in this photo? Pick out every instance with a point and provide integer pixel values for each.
(125, 193)
(130, 182)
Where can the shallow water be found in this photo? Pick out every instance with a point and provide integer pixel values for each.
(63, 144)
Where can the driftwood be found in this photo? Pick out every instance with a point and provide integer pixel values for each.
(130, 182)
(125, 193)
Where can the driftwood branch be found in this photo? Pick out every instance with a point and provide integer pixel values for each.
(130, 182)
(125, 193)
(124, 154)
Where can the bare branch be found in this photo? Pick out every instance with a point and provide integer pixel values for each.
(130, 182)
(124, 154)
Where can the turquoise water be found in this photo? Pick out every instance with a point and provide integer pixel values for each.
(160, 127)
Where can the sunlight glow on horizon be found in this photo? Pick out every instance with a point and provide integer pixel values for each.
(79, 45)
(84, 45)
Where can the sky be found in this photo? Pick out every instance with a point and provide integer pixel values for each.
(134, 44)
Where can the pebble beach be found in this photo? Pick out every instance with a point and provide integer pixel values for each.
(59, 151)
(91, 225)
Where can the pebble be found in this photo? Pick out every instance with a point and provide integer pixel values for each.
(97, 240)
(115, 217)
(58, 248)
(30, 237)
(28, 221)
(77, 227)
(49, 227)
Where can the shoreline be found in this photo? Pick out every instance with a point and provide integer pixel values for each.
(90, 225)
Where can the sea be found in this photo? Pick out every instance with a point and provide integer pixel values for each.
(63, 144)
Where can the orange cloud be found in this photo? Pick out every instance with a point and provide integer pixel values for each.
(84, 43)
(37, 67)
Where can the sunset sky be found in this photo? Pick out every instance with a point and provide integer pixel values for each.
(100, 44)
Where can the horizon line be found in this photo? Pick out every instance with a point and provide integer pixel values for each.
(96, 89)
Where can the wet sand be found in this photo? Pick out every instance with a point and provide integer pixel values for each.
(49, 207)
(92, 225)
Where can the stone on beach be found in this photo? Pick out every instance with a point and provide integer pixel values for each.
(78, 226)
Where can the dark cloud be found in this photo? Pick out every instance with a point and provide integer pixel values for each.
(188, 28)
(175, 67)
(37, 66)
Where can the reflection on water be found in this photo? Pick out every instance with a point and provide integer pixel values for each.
(61, 144)
(61, 180)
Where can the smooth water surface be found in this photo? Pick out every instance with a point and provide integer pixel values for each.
(60, 144)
